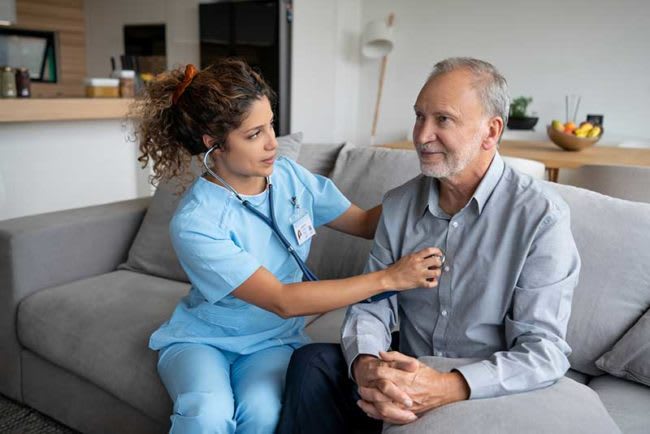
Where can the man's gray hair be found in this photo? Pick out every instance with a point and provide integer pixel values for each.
(490, 85)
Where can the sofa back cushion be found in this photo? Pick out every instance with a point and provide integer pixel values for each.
(613, 238)
(364, 175)
(152, 252)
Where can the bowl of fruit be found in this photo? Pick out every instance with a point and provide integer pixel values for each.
(572, 137)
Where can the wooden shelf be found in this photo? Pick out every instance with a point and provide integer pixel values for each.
(62, 109)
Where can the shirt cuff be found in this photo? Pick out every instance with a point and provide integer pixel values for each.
(359, 345)
(480, 379)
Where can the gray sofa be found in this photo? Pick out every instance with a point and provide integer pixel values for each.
(82, 290)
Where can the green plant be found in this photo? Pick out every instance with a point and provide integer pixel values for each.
(518, 106)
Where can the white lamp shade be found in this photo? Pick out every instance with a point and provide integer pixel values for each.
(377, 39)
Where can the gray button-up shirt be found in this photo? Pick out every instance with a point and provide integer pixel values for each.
(505, 290)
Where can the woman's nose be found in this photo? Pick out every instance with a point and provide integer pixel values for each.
(272, 142)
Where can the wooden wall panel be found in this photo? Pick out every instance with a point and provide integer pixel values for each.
(67, 18)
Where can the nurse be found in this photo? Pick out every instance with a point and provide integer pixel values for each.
(224, 352)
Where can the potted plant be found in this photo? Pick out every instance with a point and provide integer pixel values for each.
(517, 119)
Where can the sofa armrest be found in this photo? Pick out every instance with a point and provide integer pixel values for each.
(51, 249)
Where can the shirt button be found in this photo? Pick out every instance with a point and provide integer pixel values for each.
(444, 313)
(446, 267)
(437, 353)
(455, 224)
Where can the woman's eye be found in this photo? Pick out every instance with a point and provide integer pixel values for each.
(254, 135)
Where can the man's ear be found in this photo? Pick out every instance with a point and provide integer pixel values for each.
(495, 128)
(208, 141)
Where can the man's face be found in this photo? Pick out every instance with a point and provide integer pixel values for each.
(449, 125)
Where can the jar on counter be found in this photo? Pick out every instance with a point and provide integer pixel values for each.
(7, 82)
(127, 82)
(102, 88)
(23, 83)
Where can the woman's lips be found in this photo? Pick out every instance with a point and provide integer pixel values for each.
(269, 160)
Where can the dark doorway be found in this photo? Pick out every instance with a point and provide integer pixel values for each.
(145, 50)
(257, 31)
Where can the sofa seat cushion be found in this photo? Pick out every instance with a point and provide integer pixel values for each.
(565, 407)
(627, 402)
(612, 236)
(99, 328)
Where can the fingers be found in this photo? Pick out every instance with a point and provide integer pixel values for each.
(387, 412)
(394, 393)
(433, 262)
(372, 394)
(400, 361)
(430, 251)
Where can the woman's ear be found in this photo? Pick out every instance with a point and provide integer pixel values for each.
(208, 141)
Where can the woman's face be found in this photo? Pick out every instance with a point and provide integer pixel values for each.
(251, 149)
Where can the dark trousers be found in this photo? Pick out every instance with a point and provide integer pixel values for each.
(319, 396)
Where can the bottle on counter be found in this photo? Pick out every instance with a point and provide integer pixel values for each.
(7, 82)
(23, 83)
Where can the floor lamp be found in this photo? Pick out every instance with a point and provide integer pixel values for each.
(377, 41)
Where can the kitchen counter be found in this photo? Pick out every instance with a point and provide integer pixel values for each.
(62, 109)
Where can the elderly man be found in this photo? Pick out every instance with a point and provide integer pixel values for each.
(504, 293)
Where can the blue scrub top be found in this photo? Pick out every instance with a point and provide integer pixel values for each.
(220, 244)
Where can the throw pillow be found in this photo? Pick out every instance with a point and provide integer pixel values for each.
(630, 357)
(152, 252)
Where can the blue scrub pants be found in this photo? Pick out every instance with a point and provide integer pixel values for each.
(216, 391)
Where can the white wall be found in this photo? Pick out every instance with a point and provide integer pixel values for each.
(595, 48)
(50, 166)
(325, 70)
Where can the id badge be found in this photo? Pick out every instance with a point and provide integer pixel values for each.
(303, 228)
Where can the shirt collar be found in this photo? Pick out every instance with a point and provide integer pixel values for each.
(489, 182)
(430, 194)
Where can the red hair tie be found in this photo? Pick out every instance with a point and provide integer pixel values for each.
(190, 72)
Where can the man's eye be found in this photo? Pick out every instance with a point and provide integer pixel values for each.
(443, 119)
(418, 117)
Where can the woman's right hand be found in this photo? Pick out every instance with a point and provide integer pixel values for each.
(417, 270)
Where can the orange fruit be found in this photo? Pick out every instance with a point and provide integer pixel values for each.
(569, 127)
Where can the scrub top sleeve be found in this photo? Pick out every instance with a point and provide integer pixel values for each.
(214, 264)
(329, 203)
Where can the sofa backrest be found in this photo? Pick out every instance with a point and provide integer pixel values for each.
(364, 175)
(613, 239)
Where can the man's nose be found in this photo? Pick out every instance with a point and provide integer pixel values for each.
(424, 132)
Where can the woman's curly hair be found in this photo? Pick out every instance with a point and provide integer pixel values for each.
(216, 101)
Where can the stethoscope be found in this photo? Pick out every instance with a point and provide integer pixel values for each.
(309, 275)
